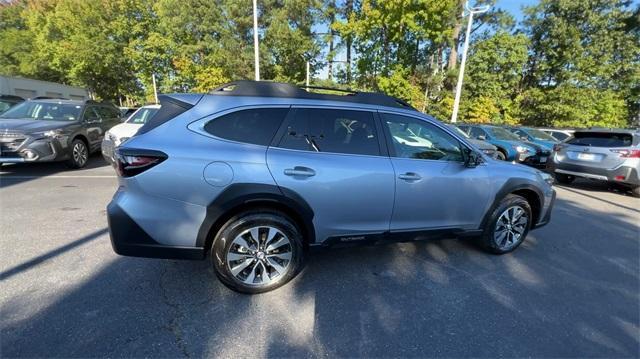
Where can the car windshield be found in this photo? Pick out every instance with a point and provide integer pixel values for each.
(5, 105)
(502, 134)
(142, 115)
(539, 135)
(49, 111)
(459, 131)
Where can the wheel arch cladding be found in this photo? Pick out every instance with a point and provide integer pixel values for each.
(241, 197)
(521, 187)
(82, 138)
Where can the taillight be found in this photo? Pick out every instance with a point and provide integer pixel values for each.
(130, 162)
(627, 153)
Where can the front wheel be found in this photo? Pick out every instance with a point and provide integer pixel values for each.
(257, 251)
(501, 156)
(508, 225)
(79, 154)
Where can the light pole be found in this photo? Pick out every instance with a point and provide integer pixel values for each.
(471, 11)
(256, 52)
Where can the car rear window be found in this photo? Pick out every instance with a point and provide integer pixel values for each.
(256, 126)
(601, 139)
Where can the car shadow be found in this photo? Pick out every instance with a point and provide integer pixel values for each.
(574, 294)
(16, 173)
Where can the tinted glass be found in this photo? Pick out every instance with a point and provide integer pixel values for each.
(476, 132)
(412, 138)
(91, 114)
(459, 131)
(337, 131)
(142, 115)
(596, 139)
(540, 135)
(50, 111)
(256, 126)
(559, 136)
(107, 113)
(502, 134)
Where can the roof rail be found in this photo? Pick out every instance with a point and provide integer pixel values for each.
(49, 98)
(279, 89)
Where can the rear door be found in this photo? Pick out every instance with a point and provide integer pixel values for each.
(334, 159)
(596, 149)
(434, 189)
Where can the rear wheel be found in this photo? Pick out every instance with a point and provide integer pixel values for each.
(635, 191)
(257, 251)
(79, 154)
(564, 179)
(508, 225)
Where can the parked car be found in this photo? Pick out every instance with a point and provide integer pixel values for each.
(54, 130)
(604, 155)
(484, 146)
(8, 101)
(559, 134)
(125, 112)
(256, 173)
(534, 136)
(122, 132)
(510, 147)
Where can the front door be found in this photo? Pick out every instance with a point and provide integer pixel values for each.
(332, 159)
(434, 189)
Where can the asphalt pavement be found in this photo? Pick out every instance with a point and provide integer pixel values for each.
(571, 290)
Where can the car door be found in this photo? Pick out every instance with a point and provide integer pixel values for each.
(434, 188)
(335, 160)
(93, 124)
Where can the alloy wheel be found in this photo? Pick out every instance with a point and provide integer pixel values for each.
(510, 227)
(80, 153)
(259, 256)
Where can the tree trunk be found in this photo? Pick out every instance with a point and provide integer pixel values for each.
(348, 11)
(455, 37)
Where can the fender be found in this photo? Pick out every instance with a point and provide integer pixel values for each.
(240, 194)
(512, 185)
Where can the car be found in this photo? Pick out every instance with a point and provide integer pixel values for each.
(126, 112)
(559, 134)
(49, 130)
(510, 147)
(611, 155)
(8, 101)
(484, 146)
(533, 135)
(122, 132)
(258, 174)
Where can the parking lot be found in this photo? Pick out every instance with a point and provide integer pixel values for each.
(572, 289)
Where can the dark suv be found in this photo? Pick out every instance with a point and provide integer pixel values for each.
(55, 130)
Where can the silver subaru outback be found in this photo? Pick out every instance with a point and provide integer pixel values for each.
(256, 174)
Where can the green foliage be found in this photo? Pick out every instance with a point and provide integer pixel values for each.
(399, 85)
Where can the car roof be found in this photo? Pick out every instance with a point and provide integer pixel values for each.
(609, 130)
(73, 102)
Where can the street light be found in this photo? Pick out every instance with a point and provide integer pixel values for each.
(256, 52)
(471, 11)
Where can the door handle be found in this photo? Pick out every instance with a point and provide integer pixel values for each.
(410, 176)
(300, 171)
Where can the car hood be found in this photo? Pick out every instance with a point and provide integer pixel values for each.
(28, 126)
(547, 144)
(481, 144)
(125, 130)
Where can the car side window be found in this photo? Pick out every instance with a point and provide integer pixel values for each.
(476, 132)
(521, 134)
(413, 138)
(90, 114)
(256, 126)
(332, 130)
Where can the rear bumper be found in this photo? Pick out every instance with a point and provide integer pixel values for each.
(128, 239)
(623, 174)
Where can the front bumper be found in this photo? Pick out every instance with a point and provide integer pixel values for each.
(625, 175)
(33, 150)
(128, 239)
(538, 160)
(108, 150)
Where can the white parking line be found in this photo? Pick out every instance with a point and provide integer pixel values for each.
(59, 176)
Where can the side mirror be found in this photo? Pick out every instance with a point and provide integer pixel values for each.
(472, 158)
(524, 138)
(93, 120)
(482, 137)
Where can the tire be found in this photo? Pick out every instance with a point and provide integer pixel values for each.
(635, 191)
(501, 156)
(564, 179)
(79, 154)
(512, 207)
(242, 265)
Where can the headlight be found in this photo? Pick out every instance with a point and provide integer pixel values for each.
(50, 134)
(522, 149)
(547, 178)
